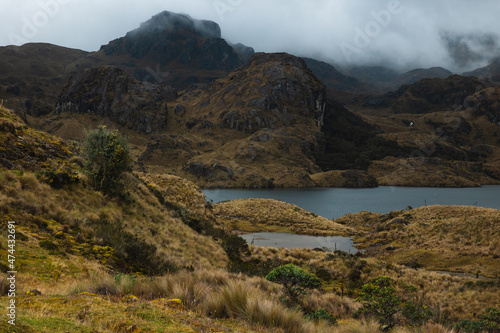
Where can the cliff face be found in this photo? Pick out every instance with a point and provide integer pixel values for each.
(110, 92)
(270, 91)
(258, 126)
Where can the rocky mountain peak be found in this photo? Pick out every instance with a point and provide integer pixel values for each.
(170, 22)
(170, 39)
(269, 91)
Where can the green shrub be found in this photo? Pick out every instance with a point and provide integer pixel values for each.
(415, 312)
(490, 323)
(322, 314)
(60, 177)
(294, 279)
(108, 157)
(379, 300)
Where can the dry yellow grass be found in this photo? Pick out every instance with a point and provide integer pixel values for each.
(453, 238)
(179, 191)
(253, 215)
(74, 205)
(451, 297)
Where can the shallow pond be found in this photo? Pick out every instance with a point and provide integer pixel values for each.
(289, 241)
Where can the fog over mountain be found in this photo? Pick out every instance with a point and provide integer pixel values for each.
(456, 34)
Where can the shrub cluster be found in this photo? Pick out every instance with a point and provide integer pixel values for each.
(60, 177)
(490, 323)
(294, 279)
(133, 253)
(108, 157)
(380, 300)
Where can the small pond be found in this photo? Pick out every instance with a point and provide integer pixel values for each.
(289, 241)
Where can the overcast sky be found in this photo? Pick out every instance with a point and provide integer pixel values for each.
(457, 34)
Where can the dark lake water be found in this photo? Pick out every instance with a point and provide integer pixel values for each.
(336, 202)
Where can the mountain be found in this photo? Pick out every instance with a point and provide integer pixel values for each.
(175, 44)
(491, 72)
(416, 75)
(374, 74)
(383, 79)
(279, 117)
(430, 95)
(331, 77)
(169, 49)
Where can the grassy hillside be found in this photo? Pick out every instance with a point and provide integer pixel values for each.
(451, 238)
(257, 215)
(157, 257)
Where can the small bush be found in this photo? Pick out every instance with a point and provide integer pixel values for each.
(294, 279)
(46, 244)
(379, 300)
(60, 177)
(108, 158)
(321, 314)
(490, 323)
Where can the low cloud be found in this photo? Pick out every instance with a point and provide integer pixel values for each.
(456, 34)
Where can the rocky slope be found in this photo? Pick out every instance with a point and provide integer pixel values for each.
(430, 95)
(450, 127)
(110, 92)
(279, 118)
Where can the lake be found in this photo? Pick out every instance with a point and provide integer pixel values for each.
(336, 202)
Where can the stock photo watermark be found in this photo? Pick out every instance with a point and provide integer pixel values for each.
(32, 24)
(224, 6)
(427, 147)
(363, 36)
(11, 273)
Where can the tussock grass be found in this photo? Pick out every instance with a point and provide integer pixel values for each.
(25, 199)
(450, 238)
(363, 326)
(436, 328)
(213, 293)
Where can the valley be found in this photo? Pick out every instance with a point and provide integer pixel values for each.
(103, 157)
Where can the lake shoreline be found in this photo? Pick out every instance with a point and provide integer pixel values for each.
(336, 202)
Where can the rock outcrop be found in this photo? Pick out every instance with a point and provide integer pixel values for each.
(270, 91)
(110, 92)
